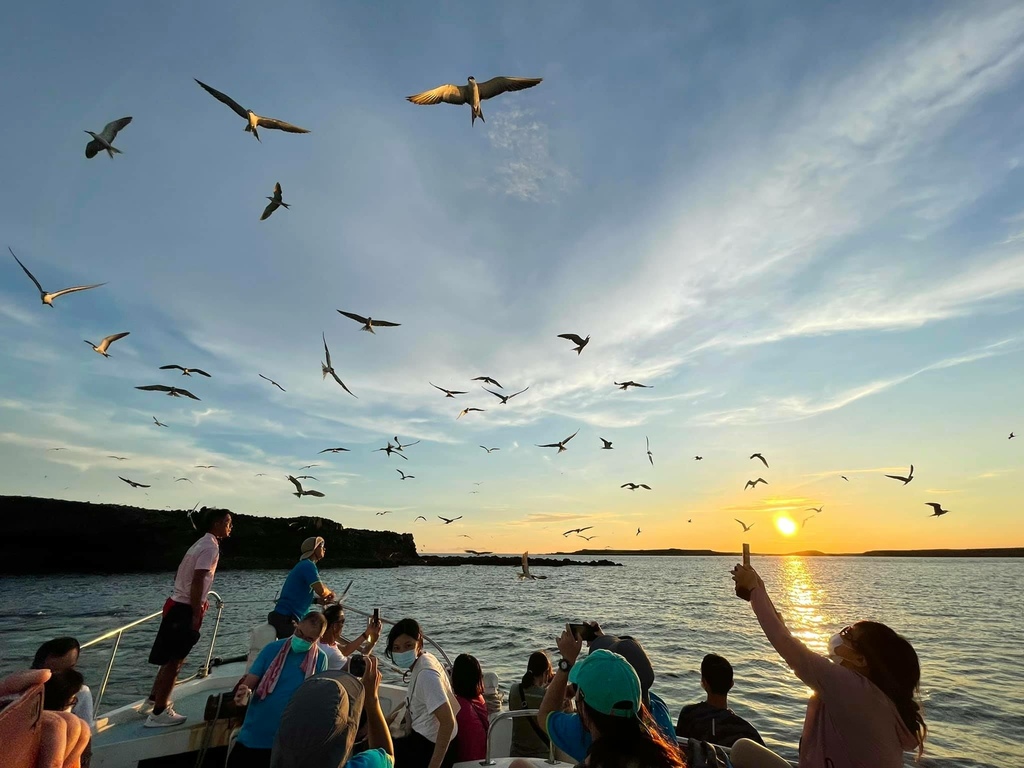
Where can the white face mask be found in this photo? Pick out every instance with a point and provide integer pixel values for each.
(833, 643)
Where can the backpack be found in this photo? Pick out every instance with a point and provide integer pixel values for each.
(703, 754)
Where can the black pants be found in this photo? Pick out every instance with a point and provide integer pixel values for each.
(283, 625)
(415, 751)
(247, 757)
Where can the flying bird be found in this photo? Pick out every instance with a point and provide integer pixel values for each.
(47, 298)
(368, 322)
(473, 93)
(104, 140)
(184, 371)
(745, 526)
(525, 573)
(420, 517)
(405, 476)
(275, 202)
(464, 411)
(328, 368)
(333, 450)
(753, 483)
(634, 486)
(253, 122)
(607, 444)
(132, 483)
(447, 392)
(103, 345)
(939, 511)
(488, 380)
(762, 458)
(299, 491)
(171, 391)
(390, 449)
(580, 343)
(273, 382)
(118, 458)
(448, 521)
(158, 422)
(815, 509)
(907, 479)
(627, 384)
(650, 456)
(577, 530)
(490, 450)
(504, 398)
(560, 445)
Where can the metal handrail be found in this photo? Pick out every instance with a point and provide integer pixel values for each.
(511, 715)
(117, 633)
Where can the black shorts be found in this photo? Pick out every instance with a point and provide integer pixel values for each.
(175, 638)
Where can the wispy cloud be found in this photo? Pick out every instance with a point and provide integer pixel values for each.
(523, 163)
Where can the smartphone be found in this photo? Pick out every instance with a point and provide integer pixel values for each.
(376, 611)
(582, 631)
(357, 664)
(746, 555)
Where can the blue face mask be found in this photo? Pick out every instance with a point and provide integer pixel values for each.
(405, 659)
(299, 645)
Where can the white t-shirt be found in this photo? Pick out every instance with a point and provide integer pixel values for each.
(429, 688)
(335, 658)
(201, 556)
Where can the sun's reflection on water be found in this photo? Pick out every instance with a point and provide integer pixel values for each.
(803, 610)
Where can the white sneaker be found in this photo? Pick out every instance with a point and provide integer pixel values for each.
(166, 718)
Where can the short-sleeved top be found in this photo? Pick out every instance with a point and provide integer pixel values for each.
(568, 734)
(263, 717)
(526, 734)
(371, 758)
(718, 726)
(297, 593)
(428, 689)
(201, 556)
(335, 658)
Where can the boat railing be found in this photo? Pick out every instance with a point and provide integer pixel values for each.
(117, 633)
(511, 715)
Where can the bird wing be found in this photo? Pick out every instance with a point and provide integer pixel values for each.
(110, 129)
(385, 324)
(156, 388)
(271, 207)
(223, 98)
(296, 483)
(112, 338)
(186, 393)
(279, 125)
(75, 289)
(571, 337)
(448, 93)
(354, 316)
(171, 367)
(498, 85)
(570, 437)
(30, 275)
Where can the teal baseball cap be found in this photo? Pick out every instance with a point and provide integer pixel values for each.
(607, 683)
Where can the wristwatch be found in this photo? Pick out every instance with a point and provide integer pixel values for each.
(564, 665)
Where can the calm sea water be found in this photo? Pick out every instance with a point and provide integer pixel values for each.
(964, 617)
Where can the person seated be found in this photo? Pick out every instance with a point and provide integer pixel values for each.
(335, 646)
(712, 720)
(57, 655)
(528, 740)
(267, 688)
(301, 587)
(59, 739)
(319, 725)
(472, 718)
(618, 727)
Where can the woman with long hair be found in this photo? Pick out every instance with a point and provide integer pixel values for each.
(468, 686)
(528, 740)
(864, 713)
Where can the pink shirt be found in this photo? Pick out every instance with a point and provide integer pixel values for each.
(201, 556)
(471, 743)
(850, 722)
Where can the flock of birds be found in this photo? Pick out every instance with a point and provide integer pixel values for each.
(472, 94)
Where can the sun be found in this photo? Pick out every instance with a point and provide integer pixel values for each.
(786, 526)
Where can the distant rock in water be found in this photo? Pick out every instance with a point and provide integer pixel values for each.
(55, 536)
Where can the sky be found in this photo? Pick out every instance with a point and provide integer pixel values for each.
(801, 224)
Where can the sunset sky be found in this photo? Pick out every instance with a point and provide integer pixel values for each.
(802, 225)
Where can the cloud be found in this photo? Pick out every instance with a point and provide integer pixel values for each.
(524, 166)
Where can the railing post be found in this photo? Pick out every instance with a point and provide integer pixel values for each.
(106, 675)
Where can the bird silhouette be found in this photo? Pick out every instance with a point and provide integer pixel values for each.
(46, 297)
(473, 93)
(906, 479)
(627, 384)
(102, 347)
(447, 392)
(745, 526)
(580, 343)
(299, 490)
(762, 458)
(273, 382)
(329, 368)
(184, 371)
(449, 521)
(275, 202)
(104, 140)
(253, 122)
(171, 391)
(939, 511)
(368, 322)
(753, 483)
(634, 486)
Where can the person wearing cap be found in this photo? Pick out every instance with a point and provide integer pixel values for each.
(609, 708)
(712, 720)
(183, 615)
(301, 587)
(319, 725)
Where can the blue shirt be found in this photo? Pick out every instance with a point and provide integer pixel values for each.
(568, 734)
(263, 717)
(297, 592)
(371, 758)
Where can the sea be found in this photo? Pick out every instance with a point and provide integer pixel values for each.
(965, 618)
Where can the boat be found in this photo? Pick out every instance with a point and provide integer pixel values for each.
(121, 741)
